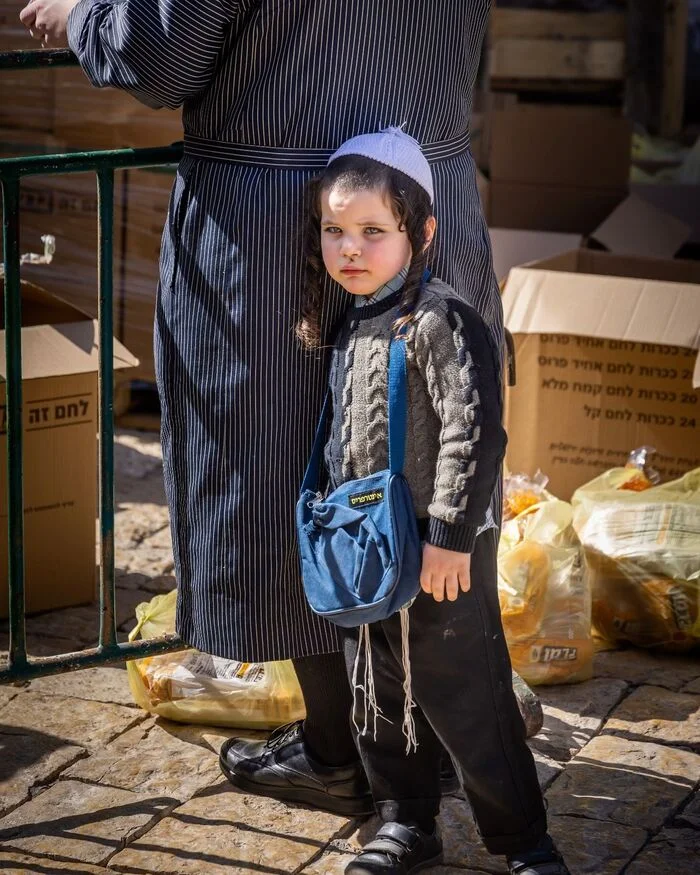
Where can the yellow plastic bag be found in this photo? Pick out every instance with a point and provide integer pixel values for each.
(544, 595)
(194, 687)
(643, 551)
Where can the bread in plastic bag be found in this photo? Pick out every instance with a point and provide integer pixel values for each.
(643, 552)
(544, 594)
(193, 687)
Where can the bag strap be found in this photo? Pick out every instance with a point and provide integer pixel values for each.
(398, 403)
(398, 408)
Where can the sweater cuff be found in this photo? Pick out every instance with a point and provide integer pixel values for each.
(451, 537)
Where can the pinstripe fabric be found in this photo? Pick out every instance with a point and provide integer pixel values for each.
(239, 397)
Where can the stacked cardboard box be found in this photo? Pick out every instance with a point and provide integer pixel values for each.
(58, 110)
(607, 354)
(60, 347)
(557, 168)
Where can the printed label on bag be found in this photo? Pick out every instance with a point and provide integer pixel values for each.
(548, 653)
(205, 665)
(363, 499)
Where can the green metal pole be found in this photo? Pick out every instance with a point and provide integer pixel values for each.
(105, 234)
(13, 402)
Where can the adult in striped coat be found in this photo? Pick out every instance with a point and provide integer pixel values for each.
(269, 88)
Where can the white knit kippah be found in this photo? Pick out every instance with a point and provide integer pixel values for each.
(395, 149)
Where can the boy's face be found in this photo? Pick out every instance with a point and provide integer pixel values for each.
(361, 242)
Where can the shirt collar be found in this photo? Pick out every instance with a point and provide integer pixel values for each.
(394, 284)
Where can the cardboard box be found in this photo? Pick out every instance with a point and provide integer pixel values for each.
(66, 206)
(557, 168)
(60, 405)
(679, 201)
(512, 248)
(636, 227)
(108, 118)
(607, 361)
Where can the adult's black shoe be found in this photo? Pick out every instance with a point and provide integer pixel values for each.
(397, 849)
(283, 768)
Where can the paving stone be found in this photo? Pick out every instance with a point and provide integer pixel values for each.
(137, 521)
(151, 759)
(42, 645)
(29, 757)
(84, 822)
(147, 490)
(673, 850)
(590, 847)
(633, 783)
(692, 687)
(224, 831)
(332, 863)
(7, 694)
(657, 714)
(147, 584)
(75, 721)
(547, 768)
(640, 667)
(144, 559)
(161, 539)
(462, 846)
(573, 714)
(690, 814)
(31, 864)
(136, 454)
(160, 584)
(103, 684)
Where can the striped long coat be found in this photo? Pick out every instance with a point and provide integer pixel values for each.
(269, 88)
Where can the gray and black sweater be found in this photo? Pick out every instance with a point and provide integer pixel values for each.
(455, 441)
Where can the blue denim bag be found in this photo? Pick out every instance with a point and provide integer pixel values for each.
(360, 548)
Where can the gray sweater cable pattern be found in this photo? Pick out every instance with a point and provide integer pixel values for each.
(455, 441)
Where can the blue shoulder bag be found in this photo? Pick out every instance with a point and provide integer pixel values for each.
(360, 548)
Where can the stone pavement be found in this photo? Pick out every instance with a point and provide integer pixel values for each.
(90, 784)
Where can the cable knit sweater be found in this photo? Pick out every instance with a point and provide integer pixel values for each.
(455, 440)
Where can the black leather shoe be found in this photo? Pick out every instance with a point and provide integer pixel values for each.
(397, 849)
(282, 768)
(544, 859)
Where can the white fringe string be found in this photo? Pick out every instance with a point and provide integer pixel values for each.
(372, 711)
(409, 724)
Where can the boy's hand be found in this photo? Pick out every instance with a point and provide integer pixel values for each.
(445, 572)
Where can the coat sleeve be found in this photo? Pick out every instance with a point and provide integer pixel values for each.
(161, 51)
(460, 366)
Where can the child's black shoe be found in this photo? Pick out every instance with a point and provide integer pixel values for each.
(543, 859)
(398, 849)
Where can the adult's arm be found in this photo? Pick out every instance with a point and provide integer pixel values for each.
(161, 51)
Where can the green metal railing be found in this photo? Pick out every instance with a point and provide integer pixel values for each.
(12, 170)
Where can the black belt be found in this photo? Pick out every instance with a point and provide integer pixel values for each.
(283, 158)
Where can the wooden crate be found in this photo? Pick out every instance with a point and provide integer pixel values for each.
(533, 49)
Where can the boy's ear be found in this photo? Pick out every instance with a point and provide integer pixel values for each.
(430, 228)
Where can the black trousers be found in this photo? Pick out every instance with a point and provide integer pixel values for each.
(462, 685)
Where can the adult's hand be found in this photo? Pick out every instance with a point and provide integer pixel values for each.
(47, 21)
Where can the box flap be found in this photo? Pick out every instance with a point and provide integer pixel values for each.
(58, 338)
(550, 297)
(512, 248)
(60, 350)
(636, 227)
(681, 201)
